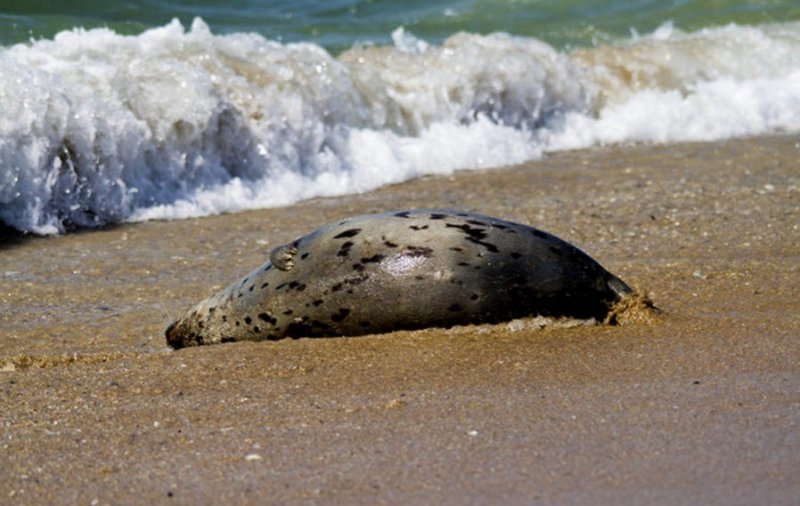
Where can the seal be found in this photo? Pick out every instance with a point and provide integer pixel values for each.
(403, 270)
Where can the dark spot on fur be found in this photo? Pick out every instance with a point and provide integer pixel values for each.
(266, 317)
(358, 267)
(256, 329)
(293, 284)
(298, 329)
(264, 285)
(454, 308)
(318, 302)
(288, 312)
(341, 315)
(240, 295)
(474, 296)
(356, 280)
(281, 286)
(538, 233)
(344, 250)
(268, 267)
(515, 255)
(475, 235)
(251, 288)
(501, 227)
(351, 232)
(463, 264)
(419, 278)
(227, 340)
(211, 310)
(478, 222)
(237, 323)
(489, 246)
(403, 214)
(463, 215)
(248, 320)
(437, 216)
(352, 281)
(456, 248)
(304, 255)
(419, 251)
(224, 318)
(372, 259)
(418, 227)
(389, 244)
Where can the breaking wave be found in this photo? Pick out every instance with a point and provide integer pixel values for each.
(99, 128)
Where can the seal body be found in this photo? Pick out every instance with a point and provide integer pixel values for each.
(403, 270)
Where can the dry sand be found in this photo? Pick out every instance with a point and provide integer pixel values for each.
(702, 407)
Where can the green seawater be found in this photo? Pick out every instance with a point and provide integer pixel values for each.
(338, 24)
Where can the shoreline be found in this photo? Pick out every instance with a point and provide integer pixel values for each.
(699, 407)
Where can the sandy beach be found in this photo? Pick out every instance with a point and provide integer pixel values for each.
(700, 407)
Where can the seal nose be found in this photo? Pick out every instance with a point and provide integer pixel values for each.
(173, 335)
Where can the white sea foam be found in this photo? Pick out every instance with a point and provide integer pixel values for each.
(97, 128)
(707, 111)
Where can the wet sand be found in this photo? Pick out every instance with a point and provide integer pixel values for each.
(702, 407)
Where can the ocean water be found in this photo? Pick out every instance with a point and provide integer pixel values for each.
(166, 110)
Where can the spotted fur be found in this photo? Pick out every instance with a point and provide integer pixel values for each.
(403, 270)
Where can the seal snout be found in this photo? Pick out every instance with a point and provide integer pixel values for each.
(174, 335)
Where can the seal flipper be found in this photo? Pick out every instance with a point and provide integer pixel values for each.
(282, 257)
(619, 287)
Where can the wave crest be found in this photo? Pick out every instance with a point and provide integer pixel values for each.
(100, 128)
